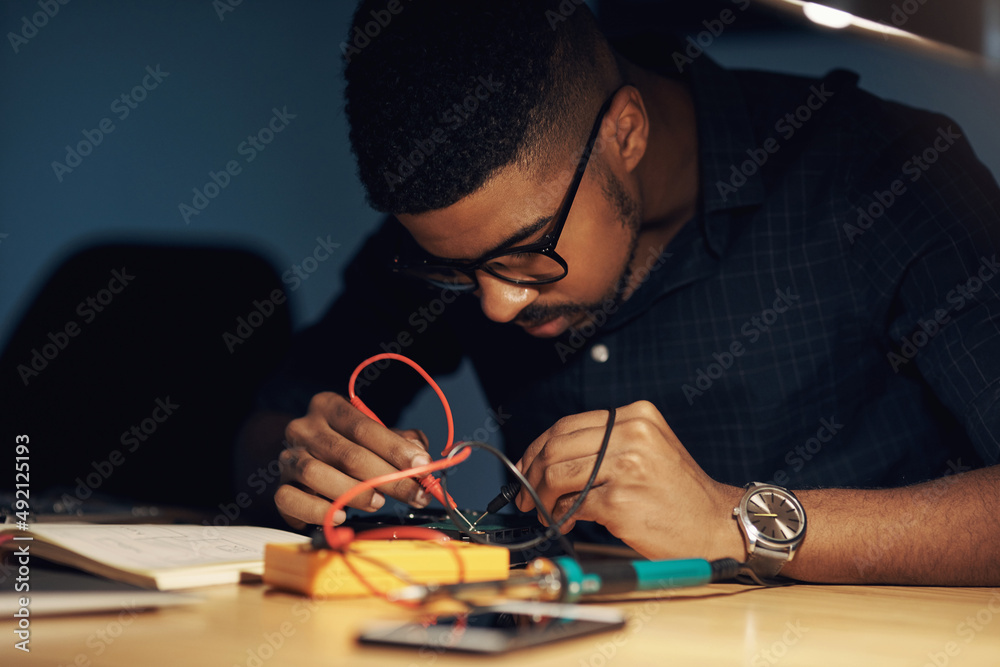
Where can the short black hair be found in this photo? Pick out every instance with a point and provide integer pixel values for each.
(442, 94)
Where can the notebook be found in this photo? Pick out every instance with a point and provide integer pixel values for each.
(163, 557)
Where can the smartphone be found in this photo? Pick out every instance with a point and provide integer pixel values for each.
(498, 628)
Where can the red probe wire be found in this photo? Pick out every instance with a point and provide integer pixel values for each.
(338, 537)
(430, 483)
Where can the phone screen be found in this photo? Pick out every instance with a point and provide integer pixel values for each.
(498, 628)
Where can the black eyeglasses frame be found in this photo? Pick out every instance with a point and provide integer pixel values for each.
(544, 246)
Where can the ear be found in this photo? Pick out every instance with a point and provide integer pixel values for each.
(626, 128)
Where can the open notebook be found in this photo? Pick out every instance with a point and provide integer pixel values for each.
(164, 557)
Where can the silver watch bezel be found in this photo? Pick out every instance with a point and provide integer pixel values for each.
(753, 536)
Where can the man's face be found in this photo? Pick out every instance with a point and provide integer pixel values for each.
(598, 242)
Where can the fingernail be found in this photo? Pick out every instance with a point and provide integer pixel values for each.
(420, 499)
(377, 500)
(419, 460)
(339, 517)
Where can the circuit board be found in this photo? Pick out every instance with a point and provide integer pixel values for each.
(499, 529)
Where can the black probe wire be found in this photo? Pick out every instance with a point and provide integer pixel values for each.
(517, 546)
(554, 526)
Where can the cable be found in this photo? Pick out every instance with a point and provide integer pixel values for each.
(554, 526)
(517, 546)
(339, 538)
(430, 483)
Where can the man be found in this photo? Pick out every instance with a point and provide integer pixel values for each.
(772, 279)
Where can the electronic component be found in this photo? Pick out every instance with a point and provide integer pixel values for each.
(386, 565)
(501, 529)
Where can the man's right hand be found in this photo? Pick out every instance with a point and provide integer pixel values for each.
(335, 446)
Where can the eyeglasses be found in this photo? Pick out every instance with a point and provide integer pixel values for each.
(535, 263)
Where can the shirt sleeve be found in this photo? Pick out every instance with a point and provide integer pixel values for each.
(377, 311)
(928, 215)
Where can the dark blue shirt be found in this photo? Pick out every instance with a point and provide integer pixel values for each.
(830, 317)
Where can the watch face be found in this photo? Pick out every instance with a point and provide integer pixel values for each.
(775, 514)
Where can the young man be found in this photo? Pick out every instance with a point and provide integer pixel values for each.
(772, 279)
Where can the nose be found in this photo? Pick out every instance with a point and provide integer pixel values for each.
(502, 301)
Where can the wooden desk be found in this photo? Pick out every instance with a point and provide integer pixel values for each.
(721, 624)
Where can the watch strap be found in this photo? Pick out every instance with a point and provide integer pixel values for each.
(763, 565)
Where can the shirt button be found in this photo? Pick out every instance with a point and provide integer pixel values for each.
(599, 353)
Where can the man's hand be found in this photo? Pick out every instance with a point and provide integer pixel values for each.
(334, 447)
(649, 492)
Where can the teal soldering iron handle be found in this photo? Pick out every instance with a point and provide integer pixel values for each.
(639, 575)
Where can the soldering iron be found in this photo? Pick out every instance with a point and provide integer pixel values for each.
(563, 579)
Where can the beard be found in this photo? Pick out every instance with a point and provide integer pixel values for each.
(628, 210)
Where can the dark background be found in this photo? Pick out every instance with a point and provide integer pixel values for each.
(227, 71)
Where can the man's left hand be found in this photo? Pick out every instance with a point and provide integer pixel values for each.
(649, 492)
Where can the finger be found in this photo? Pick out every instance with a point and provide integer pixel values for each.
(299, 508)
(564, 426)
(416, 436)
(570, 438)
(298, 466)
(564, 478)
(581, 443)
(585, 512)
(348, 421)
(318, 433)
(556, 518)
(562, 507)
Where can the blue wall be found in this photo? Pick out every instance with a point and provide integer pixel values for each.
(224, 74)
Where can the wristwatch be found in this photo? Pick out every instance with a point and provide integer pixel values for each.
(773, 524)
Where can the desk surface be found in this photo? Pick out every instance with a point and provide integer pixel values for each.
(721, 624)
